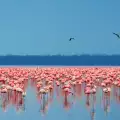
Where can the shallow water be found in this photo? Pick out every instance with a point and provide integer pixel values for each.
(54, 106)
(98, 107)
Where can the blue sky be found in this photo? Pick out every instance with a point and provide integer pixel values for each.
(44, 26)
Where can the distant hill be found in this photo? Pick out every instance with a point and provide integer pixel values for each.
(75, 60)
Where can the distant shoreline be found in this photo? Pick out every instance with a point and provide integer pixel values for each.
(57, 60)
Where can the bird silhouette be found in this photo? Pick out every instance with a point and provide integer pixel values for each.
(71, 39)
(117, 35)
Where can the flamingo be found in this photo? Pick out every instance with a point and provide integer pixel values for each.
(107, 89)
(43, 91)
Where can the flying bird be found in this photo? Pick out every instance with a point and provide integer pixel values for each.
(117, 35)
(71, 39)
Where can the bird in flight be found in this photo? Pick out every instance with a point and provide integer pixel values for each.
(117, 35)
(71, 39)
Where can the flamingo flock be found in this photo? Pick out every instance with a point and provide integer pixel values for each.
(59, 82)
(67, 78)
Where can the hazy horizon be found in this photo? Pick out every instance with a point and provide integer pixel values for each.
(64, 55)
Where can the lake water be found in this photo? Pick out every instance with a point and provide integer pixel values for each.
(55, 107)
